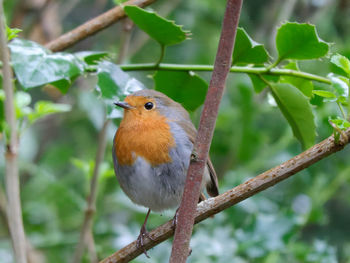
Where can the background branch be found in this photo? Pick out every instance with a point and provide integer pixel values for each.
(186, 212)
(241, 192)
(86, 237)
(93, 26)
(14, 212)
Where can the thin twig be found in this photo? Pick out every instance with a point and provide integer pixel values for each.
(93, 26)
(234, 69)
(186, 211)
(241, 192)
(128, 25)
(90, 244)
(14, 212)
(3, 205)
(90, 210)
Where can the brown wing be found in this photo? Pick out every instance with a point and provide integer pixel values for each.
(212, 186)
(182, 118)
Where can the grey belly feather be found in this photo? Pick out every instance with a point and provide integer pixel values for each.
(158, 187)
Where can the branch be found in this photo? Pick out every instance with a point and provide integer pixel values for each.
(90, 210)
(93, 26)
(235, 69)
(186, 211)
(14, 212)
(128, 25)
(241, 192)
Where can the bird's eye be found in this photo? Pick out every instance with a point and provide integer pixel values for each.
(148, 105)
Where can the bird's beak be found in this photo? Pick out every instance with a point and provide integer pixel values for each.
(123, 105)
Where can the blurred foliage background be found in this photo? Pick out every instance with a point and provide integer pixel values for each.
(303, 219)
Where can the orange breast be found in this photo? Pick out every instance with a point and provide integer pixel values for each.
(146, 136)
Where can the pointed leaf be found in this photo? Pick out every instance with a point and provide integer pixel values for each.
(297, 110)
(247, 51)
(324, 94)
(339, 85)
(164, 31)
(12, 33)
(44, 108)
(305, 86)
(186, 88)
(91, 57)
(299, 41)
(36, 66)
(342, 65)
(341, 124)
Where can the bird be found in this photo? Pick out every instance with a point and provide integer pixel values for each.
(151, 151)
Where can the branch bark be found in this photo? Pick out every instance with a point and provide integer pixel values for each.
(93, 26)
(186, 212)
(241, 192)
(14, 212)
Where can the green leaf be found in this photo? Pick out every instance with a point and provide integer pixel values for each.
(22, 101)
(12, 33)
(258, 84)
(164, 31)
(247, 51)
(305, 86)
(344, 101)
(341, 124)
(339, 85)
(44, 108)
(342, 65)
(114, 85)
(186, 88)
(324, 94)
(91, 57)
(299, 41)
(36, 66)
(297, 110)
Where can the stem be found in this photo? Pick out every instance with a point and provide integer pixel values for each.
(341, 109)
(235, 195)
(187, 209)
(14, 212)
(162, 53)
(273, 65)
(265, 81)
(234, 69)
(89, 213)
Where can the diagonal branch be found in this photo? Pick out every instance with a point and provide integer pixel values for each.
(241, 192)
(186, 211)
(93, 26)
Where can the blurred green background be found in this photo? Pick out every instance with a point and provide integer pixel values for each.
(303, 219)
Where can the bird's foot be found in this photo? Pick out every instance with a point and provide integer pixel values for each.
(174, 221)
(140, 242)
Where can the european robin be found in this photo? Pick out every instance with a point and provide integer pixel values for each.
(151, 152)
